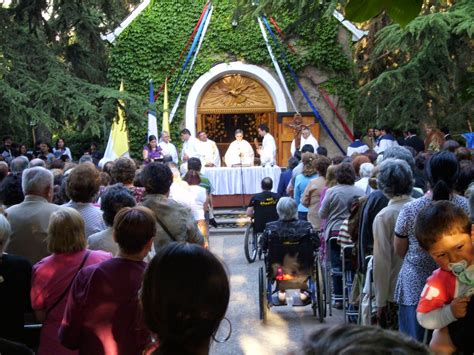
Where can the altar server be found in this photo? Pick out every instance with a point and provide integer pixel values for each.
(306, 138)
(268, 149)
(240, 151)
(168, 148)
(386, 140)
(358, 146)
(207, 151)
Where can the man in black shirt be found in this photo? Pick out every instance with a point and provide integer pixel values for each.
(262, 206)
(414, 141)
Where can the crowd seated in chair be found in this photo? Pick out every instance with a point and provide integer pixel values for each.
(289, 244)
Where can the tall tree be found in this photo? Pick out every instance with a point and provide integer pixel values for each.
(423, 73)
(53, 65)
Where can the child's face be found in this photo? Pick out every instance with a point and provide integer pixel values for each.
(452, 249)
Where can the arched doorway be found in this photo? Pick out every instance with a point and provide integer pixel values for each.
(238, 95)
(231, 102)
(260, 75)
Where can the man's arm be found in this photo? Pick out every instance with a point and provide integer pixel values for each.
(249, 211)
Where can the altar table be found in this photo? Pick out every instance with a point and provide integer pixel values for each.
(228, 181)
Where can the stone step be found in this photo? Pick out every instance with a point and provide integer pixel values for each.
(229, 211)
(227, 231)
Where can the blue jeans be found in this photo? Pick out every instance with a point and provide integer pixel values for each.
(408, 323)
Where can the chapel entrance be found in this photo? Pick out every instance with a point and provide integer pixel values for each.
(238, 101)
(234, 101)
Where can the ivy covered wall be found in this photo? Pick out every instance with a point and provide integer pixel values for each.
(151, 45)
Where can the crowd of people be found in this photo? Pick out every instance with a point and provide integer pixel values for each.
(79, 240)
(378, 201)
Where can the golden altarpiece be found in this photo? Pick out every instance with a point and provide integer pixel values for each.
(237, 101)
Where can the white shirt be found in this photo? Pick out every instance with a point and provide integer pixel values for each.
(239, 152)
(179, 191)
(357, 147)
(310, 140)
(189, 148)
(268, 151)
(197, 198)
(385, 142)
(169, 149)
(208, 153)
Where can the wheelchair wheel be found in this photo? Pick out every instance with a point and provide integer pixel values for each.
(262, 295)
(320, 291)
(250, 244)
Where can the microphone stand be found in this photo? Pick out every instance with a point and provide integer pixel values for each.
(242, 180)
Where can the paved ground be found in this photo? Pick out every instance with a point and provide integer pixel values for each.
(286, 326)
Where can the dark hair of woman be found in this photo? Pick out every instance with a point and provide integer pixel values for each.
(57, 143)
(351, 339)
(185, 295)
(345, 174)
(150, 139)
(321, 164)
(442, 171)
(83, 183)
(133, 228)
(308, 168)
(11, 192)
(113, 200)
(465, 177)
(192, 177)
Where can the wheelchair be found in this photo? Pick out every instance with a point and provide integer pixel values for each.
(291, 263)
(251, 247)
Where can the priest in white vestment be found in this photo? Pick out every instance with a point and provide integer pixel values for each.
(240, 152)
(168, 148)
(207, 151)
(268, 150)
(306, 138)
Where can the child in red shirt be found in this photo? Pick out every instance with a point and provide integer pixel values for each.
(444, 230)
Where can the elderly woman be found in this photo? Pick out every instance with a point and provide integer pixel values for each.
(114, 199)
(335, 208)
(185, 318)
(82, 187)
(312, 194)
(15, 279)
(288, 226)
(124, 171)
(302, 180)
(365, 172)
(53, 275)
(395, 180)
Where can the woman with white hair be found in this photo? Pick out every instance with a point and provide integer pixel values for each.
(15, 279)
(365, 172)
(288, 226)
(395, 180)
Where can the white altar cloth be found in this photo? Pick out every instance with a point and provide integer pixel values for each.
(228, 181)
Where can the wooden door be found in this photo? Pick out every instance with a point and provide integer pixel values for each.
(285, 134)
